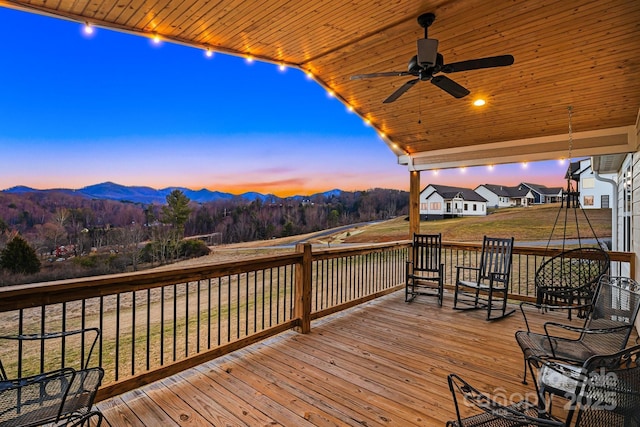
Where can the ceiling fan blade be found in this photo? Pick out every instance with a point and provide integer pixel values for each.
(475, 64)
(449, 86)
(386, 74)
(401, 90)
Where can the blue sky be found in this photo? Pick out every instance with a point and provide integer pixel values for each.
(78, 110)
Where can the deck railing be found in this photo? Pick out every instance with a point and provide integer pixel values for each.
(160, 322)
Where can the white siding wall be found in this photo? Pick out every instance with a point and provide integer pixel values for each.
(492, 198)
(430, 206)
(591, 190)
(473, 208)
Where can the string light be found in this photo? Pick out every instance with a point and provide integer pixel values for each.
(87, 29)
(463, 169)
(309, 75)
(156, 39)
(249, 59)
(331, 93)
(435, 171)
(282, 68)
(367, 122)
(525, 165)
(208, 53)
(350, 108)
(490, 167)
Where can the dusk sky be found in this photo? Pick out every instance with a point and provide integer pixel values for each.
(77, 110)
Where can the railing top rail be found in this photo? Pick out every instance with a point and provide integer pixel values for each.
(358, 250)
(37, 294)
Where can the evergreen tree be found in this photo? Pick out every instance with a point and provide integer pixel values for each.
(177, 210)
(19, 257)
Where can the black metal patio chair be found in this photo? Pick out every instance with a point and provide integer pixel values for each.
(604, 392)
(425, 269)
(607, 385)
(486, 286)
(608, 324)
(34, 356)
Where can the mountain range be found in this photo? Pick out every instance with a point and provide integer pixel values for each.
(147, 195)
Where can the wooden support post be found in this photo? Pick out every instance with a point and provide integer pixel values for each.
(302, 305)
(414, 203)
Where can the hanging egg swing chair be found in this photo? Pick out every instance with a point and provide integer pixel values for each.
(569, 277)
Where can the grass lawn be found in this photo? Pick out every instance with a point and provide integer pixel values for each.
(525, 224)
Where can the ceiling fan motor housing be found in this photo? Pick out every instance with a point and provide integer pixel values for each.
(427, 52)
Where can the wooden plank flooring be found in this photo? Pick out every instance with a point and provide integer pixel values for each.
(383, 363)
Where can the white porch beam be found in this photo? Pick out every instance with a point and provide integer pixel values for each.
(554, 147)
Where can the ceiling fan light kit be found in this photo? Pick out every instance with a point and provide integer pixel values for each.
(428, 63)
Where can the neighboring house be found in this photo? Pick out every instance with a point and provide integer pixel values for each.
(542, 194)
(502, 196)
(443, 201)
(594, 193)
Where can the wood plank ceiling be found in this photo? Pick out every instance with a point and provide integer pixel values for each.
(578, 53)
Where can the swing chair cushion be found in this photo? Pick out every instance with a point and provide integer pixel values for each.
(571, 276)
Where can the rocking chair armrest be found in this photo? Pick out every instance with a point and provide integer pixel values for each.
(464, 267)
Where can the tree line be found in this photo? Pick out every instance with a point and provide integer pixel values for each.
(56, 224)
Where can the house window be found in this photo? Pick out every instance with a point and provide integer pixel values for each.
(466, 206)
(589, 183)
(435, 206)
(475, 207)
(423, 206)
(604, 201)
(587, 201)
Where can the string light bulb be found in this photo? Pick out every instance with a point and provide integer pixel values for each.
(156, 38)
(87, 29)
(208, 53)
(249, 59)
(282, 68)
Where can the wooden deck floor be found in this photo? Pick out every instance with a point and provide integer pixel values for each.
(383, 363)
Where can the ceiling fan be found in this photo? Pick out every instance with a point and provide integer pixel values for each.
(428, 63)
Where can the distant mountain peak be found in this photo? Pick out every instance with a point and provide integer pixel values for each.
(140, 194)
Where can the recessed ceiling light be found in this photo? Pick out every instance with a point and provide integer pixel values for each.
(479, 102)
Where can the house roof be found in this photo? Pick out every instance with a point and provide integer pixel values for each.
(505, 191)
(448, 192)
(541, 189)
(581, 54)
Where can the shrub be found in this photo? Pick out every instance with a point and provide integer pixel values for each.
(19, 258)
(193, 248)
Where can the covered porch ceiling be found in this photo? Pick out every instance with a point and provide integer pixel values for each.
(578, 53)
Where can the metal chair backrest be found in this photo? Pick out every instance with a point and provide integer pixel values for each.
(23, 355)
(610, 392)
(427, 252)
(496, 259)
(36, 400)
(615, 305)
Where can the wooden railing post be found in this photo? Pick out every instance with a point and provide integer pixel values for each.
(302, 305)
(414, 202)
